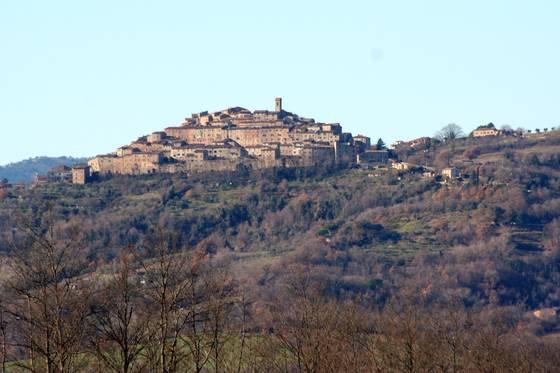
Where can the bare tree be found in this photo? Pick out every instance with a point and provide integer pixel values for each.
(506, 128)
(243, 304)
(311, 329)
(195, 319)
(219, 308)
(206, 309)
(121, 328)
(449, 133)
(165, 287)
(3, 337)
(50, 301)
(450, 330)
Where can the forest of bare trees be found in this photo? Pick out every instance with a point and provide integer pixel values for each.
(163, 308)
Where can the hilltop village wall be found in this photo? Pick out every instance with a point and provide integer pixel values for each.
(226, 139)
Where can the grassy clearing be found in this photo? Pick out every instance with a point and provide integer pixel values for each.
(230, 356)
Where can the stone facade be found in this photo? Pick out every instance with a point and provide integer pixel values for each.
(60, 174)
(128, 164)
(39, 180)
(81, 174)
(4, 189)
(401, 166)
(371, 157)
(485, 131)
(450, 173)
(227, 139)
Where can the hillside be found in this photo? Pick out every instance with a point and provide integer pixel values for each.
(374, 253)
(24, 171)
(386, 215)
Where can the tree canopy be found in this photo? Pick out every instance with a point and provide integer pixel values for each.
(450, 132)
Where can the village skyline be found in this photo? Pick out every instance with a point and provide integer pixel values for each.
(391, 141)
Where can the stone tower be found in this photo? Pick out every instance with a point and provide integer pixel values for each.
(278, 104)
(81, 174)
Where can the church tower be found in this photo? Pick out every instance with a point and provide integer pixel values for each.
(278, 102)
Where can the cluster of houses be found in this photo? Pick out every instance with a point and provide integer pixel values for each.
(79, 174)
(370, 158)
(234, 138)
(445, 174)
(60, 174)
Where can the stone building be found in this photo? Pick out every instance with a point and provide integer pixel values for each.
(318, 155)
(485, 131)
(81, 174)
(364, 140)
(373, 157)
(226, 149)
(428, 173)
(156, 137)
(267, 155)
(128, 164)
(450, 173)
(39, 180)
(189, 152)
(60, 174)
(4, 189)
(414, 143)
(344, 153)
(401, 166)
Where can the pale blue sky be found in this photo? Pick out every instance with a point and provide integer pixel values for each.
(84, 77)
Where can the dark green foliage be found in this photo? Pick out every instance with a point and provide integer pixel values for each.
(363, 234)
(327, 230)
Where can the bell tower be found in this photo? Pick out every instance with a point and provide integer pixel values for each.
(278, 106)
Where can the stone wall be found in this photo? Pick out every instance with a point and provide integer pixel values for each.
(131, 164)
(373, 156)
(250, 136)
(345, 153)
(198, 134)
(317, 155)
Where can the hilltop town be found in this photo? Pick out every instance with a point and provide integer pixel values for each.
(236, 138)
(231, 138)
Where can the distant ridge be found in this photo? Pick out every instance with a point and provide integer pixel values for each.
(24, 171)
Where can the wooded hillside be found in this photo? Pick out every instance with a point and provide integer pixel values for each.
(298, 270)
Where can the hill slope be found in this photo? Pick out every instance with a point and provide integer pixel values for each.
(364, 254)
(353, 226)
